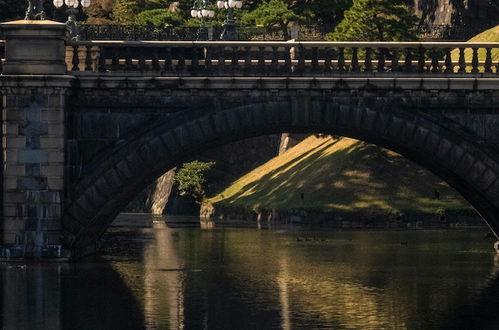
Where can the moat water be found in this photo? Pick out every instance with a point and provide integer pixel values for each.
(223, 278)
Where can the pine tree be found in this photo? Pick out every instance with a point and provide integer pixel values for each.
(376, 20)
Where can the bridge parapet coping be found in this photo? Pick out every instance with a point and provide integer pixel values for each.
(267, 84)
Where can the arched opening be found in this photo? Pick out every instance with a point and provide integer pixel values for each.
(451, 154)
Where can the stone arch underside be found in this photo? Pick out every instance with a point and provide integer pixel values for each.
(439, 146)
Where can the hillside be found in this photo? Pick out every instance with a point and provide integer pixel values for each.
(341, 175)
(490, 35)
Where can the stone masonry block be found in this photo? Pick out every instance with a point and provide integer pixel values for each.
(53, 237)
(56, 101)
(10, 156)
(488, 178)
(52, 170)
(9, 210)
(26, 183)
(32, 169)
(14, 169)
(49, 142)
(13, 115)
(14, 197)
(55, 129)
(56, 183)
(10, 182)
(15, 142)
(10, 128)
(32, 156)
(56, 157)
(53, 116)
(14, 225)
(10, 101)
(33, 128)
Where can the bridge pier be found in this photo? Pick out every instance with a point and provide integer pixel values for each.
(33, 118)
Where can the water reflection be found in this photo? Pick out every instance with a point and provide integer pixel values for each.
(161, 278)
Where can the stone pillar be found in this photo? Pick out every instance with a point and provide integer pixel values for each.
(33, 166)
(34, 47)
(33, 125)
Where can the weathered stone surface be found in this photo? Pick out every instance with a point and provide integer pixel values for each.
(33, 166)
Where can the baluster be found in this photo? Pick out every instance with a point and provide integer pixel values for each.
(128, 59)
(462, 61)
(168, 66)
(328, 65)
(207, 60)
(315, 60)
(76, 59)
(155, 59)
(142, 59)
(449, 67)
(474, 61)
(88, 58)
(247, 59)
(234, 59)
(301, 59)
(115, 60)
(274, 65)
(102, 60)
(355, 60)
(194, 60)
(488, 60)
(368, 65)
(341, 60)
(435, 66)
(261, 59)
(394, 65)
(181, 59)
(421, 59)
(288, 65)
(381, 60)
(408, 60)
(221, 59)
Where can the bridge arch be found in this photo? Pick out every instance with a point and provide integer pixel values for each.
(440, 146)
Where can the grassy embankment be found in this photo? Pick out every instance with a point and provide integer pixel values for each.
(491, 35)
(343, 175)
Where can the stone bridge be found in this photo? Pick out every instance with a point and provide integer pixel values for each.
(87, 125)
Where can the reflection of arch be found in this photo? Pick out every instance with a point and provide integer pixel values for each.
(438, 146)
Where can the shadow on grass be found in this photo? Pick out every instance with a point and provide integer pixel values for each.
(351, 176)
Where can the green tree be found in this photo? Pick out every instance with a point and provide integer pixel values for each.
(329, 12)
(272, 13)
(100, 12)
(376, 20)
(159, 18)
(191, 179)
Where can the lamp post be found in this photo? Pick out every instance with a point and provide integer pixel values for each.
(200, 9)
(229, 31)
(72, 10)
(35, 12)
(38, 12)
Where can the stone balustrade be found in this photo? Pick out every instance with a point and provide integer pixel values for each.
(201, 58)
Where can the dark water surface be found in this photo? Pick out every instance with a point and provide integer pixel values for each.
(161, 278)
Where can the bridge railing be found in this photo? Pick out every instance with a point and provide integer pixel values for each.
(179, 58)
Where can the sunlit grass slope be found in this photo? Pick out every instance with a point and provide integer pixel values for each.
(343, 175)
(490, 35)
